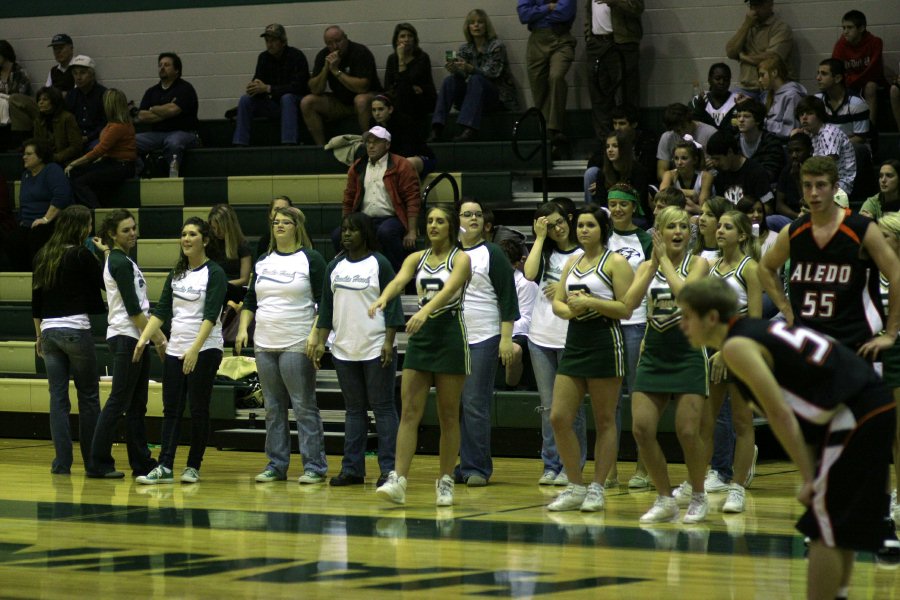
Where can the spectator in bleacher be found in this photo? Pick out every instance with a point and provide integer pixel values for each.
(549, 54)
(43, 193)
(554, 244)
(85, 100)
(408, 80)
(860, 51)
(490, 308)
(888, 198)
(716, 106)
(96, 175)
(170, 109)
(619, 166)
(789, 192)
(690, 175)
(844, 109)
(56, 125)
(625, 118)
(385, 186)
(526, 293)
(364, 350)
(736, 174)
(262, 245)
(612, 35)
(480, 80)
(279, 82)
(407, 136)
(191, 299)
(780, 95)
(828, 140)
(436, 354)
(757, 143)
(348, 70)
(129, 311)
(285, 288)
(13, 80)
(60, 75)
(760, 36)
(66, 289)
(230, 250)
(679, 122)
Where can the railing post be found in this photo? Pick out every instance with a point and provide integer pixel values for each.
(542, 128)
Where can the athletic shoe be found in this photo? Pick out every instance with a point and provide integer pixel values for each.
(752, 472)
(269, 475)
(888, 556)
(190, 475)
(682, 493)
(394, 489)
(159, 474)
(595, 498)
(735, 501)
(697, 509)
(664, 510)
(311, 477)
(713, 483)
(476, 481)
(571, 498)
(443, 487)
(382, 479)
(639, 481)
(561, 479)
(611, 483)
(547, 478)
(342, 479)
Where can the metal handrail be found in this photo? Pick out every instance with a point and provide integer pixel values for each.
(433, 183)
(542, 128)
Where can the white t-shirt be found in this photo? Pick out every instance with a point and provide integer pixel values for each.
(601, 19)
(527, 293)
(548, 330)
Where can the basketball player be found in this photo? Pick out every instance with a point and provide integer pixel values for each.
(827, 407)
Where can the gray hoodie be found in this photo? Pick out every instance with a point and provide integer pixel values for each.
(780, 119)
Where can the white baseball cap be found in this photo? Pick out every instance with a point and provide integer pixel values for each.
(379, 132)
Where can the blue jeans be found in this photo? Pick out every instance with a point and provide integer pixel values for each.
(723, 443)
(544, 362)
(590, 176)
(177, 389)
(475, 410)
(71, 352)
(632, 335)
(366, 382)
(389, 231)
(173, 143)
(288, 380)
(287, 107)
(472, 96)
(128, 395)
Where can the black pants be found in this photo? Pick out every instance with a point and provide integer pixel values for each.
(95, 183)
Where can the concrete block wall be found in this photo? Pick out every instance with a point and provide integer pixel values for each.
(219, 45)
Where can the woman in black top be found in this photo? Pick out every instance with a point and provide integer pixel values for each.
(407, 77)
(66, 288)
(407, 138)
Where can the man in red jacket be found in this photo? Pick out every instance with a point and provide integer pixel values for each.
(385, 186)
(863, 65)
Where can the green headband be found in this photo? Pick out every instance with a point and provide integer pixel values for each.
(622, 195)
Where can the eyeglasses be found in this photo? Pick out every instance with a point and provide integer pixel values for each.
(470, 213)
(276, 223)
(556, 224)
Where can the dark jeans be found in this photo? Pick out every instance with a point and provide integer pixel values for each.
(612, 69)
(94, 183)
(390, 232)
(178, 389)
(473, 96)
(129, 396)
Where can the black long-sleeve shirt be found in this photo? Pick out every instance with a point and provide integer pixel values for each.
(76, 290)
(287, 74)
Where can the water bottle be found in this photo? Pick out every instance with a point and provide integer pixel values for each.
(173, 166)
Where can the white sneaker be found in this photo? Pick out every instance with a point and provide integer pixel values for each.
(595, 498)
(752, 472)
(394, 489)
(561, 479)
(664, 510)
(639, 481)
(713, 484)
(571, 498)
(547, 478)
(697, 509)
(190, 475)
(444, 489)
(735, 501)
(682, 493)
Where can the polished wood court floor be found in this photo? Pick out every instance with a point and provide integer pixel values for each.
(228, 537)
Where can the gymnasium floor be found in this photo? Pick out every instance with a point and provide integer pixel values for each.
(228, 537)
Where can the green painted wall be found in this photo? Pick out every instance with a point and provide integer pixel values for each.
(44, 8)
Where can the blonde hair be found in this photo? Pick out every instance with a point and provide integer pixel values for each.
(489, 31)
(115, 105)
(301, 237)
(226, 224)
(750, 245)
(671, 214)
